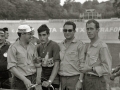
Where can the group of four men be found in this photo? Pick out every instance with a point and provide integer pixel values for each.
(71, 64)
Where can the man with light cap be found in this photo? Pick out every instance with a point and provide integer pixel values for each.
(20, 59)
(4, 73)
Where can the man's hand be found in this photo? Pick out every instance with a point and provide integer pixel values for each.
(45, 84)
(38, 87)
(78, 85)
(27, 83)
(85, 69)
(37, 62)
(112, 77)
(116, 70)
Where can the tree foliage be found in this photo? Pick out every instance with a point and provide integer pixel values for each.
(51, 9)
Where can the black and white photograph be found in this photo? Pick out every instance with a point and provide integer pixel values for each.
(59, 44)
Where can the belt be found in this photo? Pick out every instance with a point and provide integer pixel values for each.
(31, 75)
(26, 76)
(92, 75)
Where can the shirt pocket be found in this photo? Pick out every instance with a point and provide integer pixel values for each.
(93, 59)
(21, 59)
(72, 55)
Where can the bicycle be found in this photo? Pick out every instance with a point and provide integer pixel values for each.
(35, 85)
(32, 86)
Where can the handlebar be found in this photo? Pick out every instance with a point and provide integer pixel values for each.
(34, 85)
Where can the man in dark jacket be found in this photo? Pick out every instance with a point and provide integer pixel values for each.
(4, 73)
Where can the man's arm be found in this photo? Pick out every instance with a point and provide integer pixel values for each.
(56, 59)
(106, 65)
(12, 63)
(54, 71)
(26, 81)
(81, 52)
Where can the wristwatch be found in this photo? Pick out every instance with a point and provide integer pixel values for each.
(81, 80)
(50, 81)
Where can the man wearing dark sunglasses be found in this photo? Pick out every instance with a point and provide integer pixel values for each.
(72, 56)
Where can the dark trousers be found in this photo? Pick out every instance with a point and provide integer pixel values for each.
(94, 83)
(69, 82)
(5, 83)
(19, 84)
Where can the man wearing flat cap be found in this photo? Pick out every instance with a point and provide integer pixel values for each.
(20, 59)
(4, 73)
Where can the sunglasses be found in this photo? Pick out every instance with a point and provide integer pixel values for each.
(67, 30)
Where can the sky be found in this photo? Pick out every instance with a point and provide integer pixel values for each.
(82, 1)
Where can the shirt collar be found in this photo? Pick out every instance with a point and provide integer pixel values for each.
(47, 43)
(73, 41)
(95, 44)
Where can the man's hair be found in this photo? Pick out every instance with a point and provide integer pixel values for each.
(70, 23)
(95, 22)
(43, 28)
(5, 29)
(19, 34)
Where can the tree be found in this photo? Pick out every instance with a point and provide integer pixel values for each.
(68, 1)
(87, 4)
(116, 5)
(7, 10)
(37, 12)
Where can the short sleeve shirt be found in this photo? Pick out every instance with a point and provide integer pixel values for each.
(52, 49)
(22, 58)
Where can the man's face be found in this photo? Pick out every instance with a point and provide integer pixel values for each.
(27, 36)
(68, 31)
(43, 36)
(6, 34)
(92, 32)
(2, 38)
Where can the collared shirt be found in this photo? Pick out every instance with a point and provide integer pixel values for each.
(71, 57)
(99, 57)
(4, 73)
(52, 49)
(22, 58)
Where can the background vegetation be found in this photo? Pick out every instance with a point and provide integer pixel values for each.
(51, 9)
